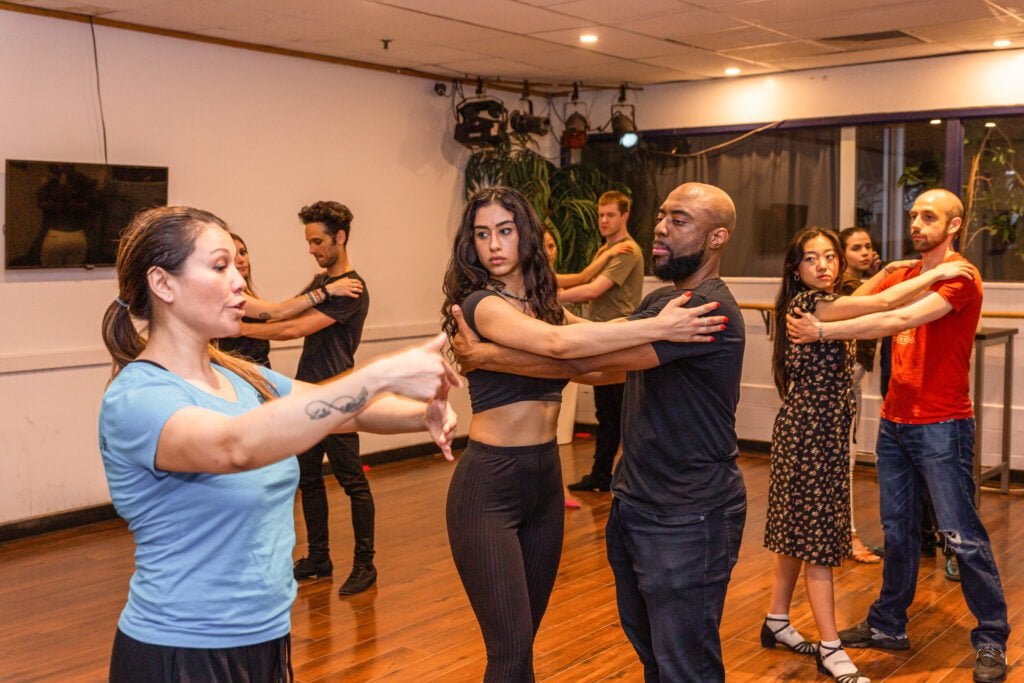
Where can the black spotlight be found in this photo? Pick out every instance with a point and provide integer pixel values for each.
(481, 122)
(576, 125)
(624, 121)
(525, 122)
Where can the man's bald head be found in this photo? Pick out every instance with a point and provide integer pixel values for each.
(944, 201)
(720, 211)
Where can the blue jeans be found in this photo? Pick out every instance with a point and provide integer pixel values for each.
(671, 573)
(938, 456)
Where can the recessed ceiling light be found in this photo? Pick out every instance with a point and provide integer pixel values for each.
(935, 122)
(732, 71)
(990, 124)
(1002, 42)
(588, 38)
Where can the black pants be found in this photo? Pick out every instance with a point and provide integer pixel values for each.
(608, 406)
(343, 455)
(132, 661)
(505, 520)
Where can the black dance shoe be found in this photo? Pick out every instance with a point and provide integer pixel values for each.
(590, 483)
(769, 641)
(306, 568)
(362, 577)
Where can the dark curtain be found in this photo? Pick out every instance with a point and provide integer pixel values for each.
(780, 181)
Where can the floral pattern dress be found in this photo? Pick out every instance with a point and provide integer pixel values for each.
(809, 480)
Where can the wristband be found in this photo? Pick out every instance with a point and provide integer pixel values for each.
(326, 294)
(821, 332)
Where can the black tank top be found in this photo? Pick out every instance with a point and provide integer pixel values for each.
(488, 389)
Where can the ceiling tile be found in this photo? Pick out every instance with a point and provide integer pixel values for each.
(708, 64)
(505, 15)
(733, 38)
(862, 56)
(685, 23)
(615, 12)
(777, 51)
(871, 20)
(615, 42)
(960, 31)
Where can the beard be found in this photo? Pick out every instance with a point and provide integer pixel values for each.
(680, 267)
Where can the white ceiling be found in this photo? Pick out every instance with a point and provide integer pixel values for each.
(641, 42)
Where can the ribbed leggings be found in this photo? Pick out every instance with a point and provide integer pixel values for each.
(505, 520)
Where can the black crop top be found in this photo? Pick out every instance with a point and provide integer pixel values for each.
(488, 389)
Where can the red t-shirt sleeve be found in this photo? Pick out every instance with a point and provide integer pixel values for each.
(957, 292)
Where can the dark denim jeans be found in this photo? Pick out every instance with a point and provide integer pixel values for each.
(671, 573)
(938, 456)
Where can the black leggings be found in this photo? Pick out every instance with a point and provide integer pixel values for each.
(505, 520)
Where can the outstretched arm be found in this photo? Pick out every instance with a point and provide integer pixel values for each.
(847, 307)
(587, 292)
(282, 330)
(594, 268)
(199, 440)
(496, 319)
(805, 328)
(289, 308)
(473, 354)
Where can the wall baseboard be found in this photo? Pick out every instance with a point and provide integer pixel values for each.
(58, 521)
(70, 519)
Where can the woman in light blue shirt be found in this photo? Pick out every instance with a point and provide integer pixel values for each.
(197, 448)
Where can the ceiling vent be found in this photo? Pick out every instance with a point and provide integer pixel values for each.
(871, 41)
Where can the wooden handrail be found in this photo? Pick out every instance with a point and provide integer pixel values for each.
(1013, 315)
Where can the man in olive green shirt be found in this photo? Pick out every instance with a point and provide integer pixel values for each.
(614, 293)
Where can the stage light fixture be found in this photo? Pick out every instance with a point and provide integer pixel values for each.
(574, 136)
(624, 121)
(525, 122)
(481, 121)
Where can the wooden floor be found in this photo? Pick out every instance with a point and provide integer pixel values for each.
(60, 595)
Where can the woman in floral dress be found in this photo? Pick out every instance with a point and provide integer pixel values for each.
(808, 492)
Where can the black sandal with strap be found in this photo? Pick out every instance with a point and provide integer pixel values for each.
(769, 638)
(855, 677)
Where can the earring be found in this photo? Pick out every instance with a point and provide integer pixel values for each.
(796, 277)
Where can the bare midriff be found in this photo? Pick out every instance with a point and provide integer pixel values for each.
(517, 424)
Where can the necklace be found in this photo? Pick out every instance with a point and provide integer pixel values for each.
(510, 295)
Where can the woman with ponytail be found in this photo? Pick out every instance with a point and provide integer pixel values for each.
(197, 447)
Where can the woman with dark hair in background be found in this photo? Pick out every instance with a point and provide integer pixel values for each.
(197, 446)
(505, 502)
(808, 521)
(258, 310)
(861, 263)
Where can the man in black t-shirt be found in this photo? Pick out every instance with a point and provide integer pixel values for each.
(679, 508)
(332, 330)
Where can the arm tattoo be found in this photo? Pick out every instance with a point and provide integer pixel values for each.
(264, 316)
(317, 410)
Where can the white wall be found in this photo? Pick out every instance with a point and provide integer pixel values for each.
(965, 81)
(253, 137)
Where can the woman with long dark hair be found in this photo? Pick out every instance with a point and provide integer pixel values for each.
(808, 521)
(259, 310)
(197, 446)
(505, 501)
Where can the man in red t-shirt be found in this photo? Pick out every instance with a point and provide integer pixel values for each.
(926, 436)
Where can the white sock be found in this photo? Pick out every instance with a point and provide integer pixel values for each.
(838, 662)
(788, 635)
